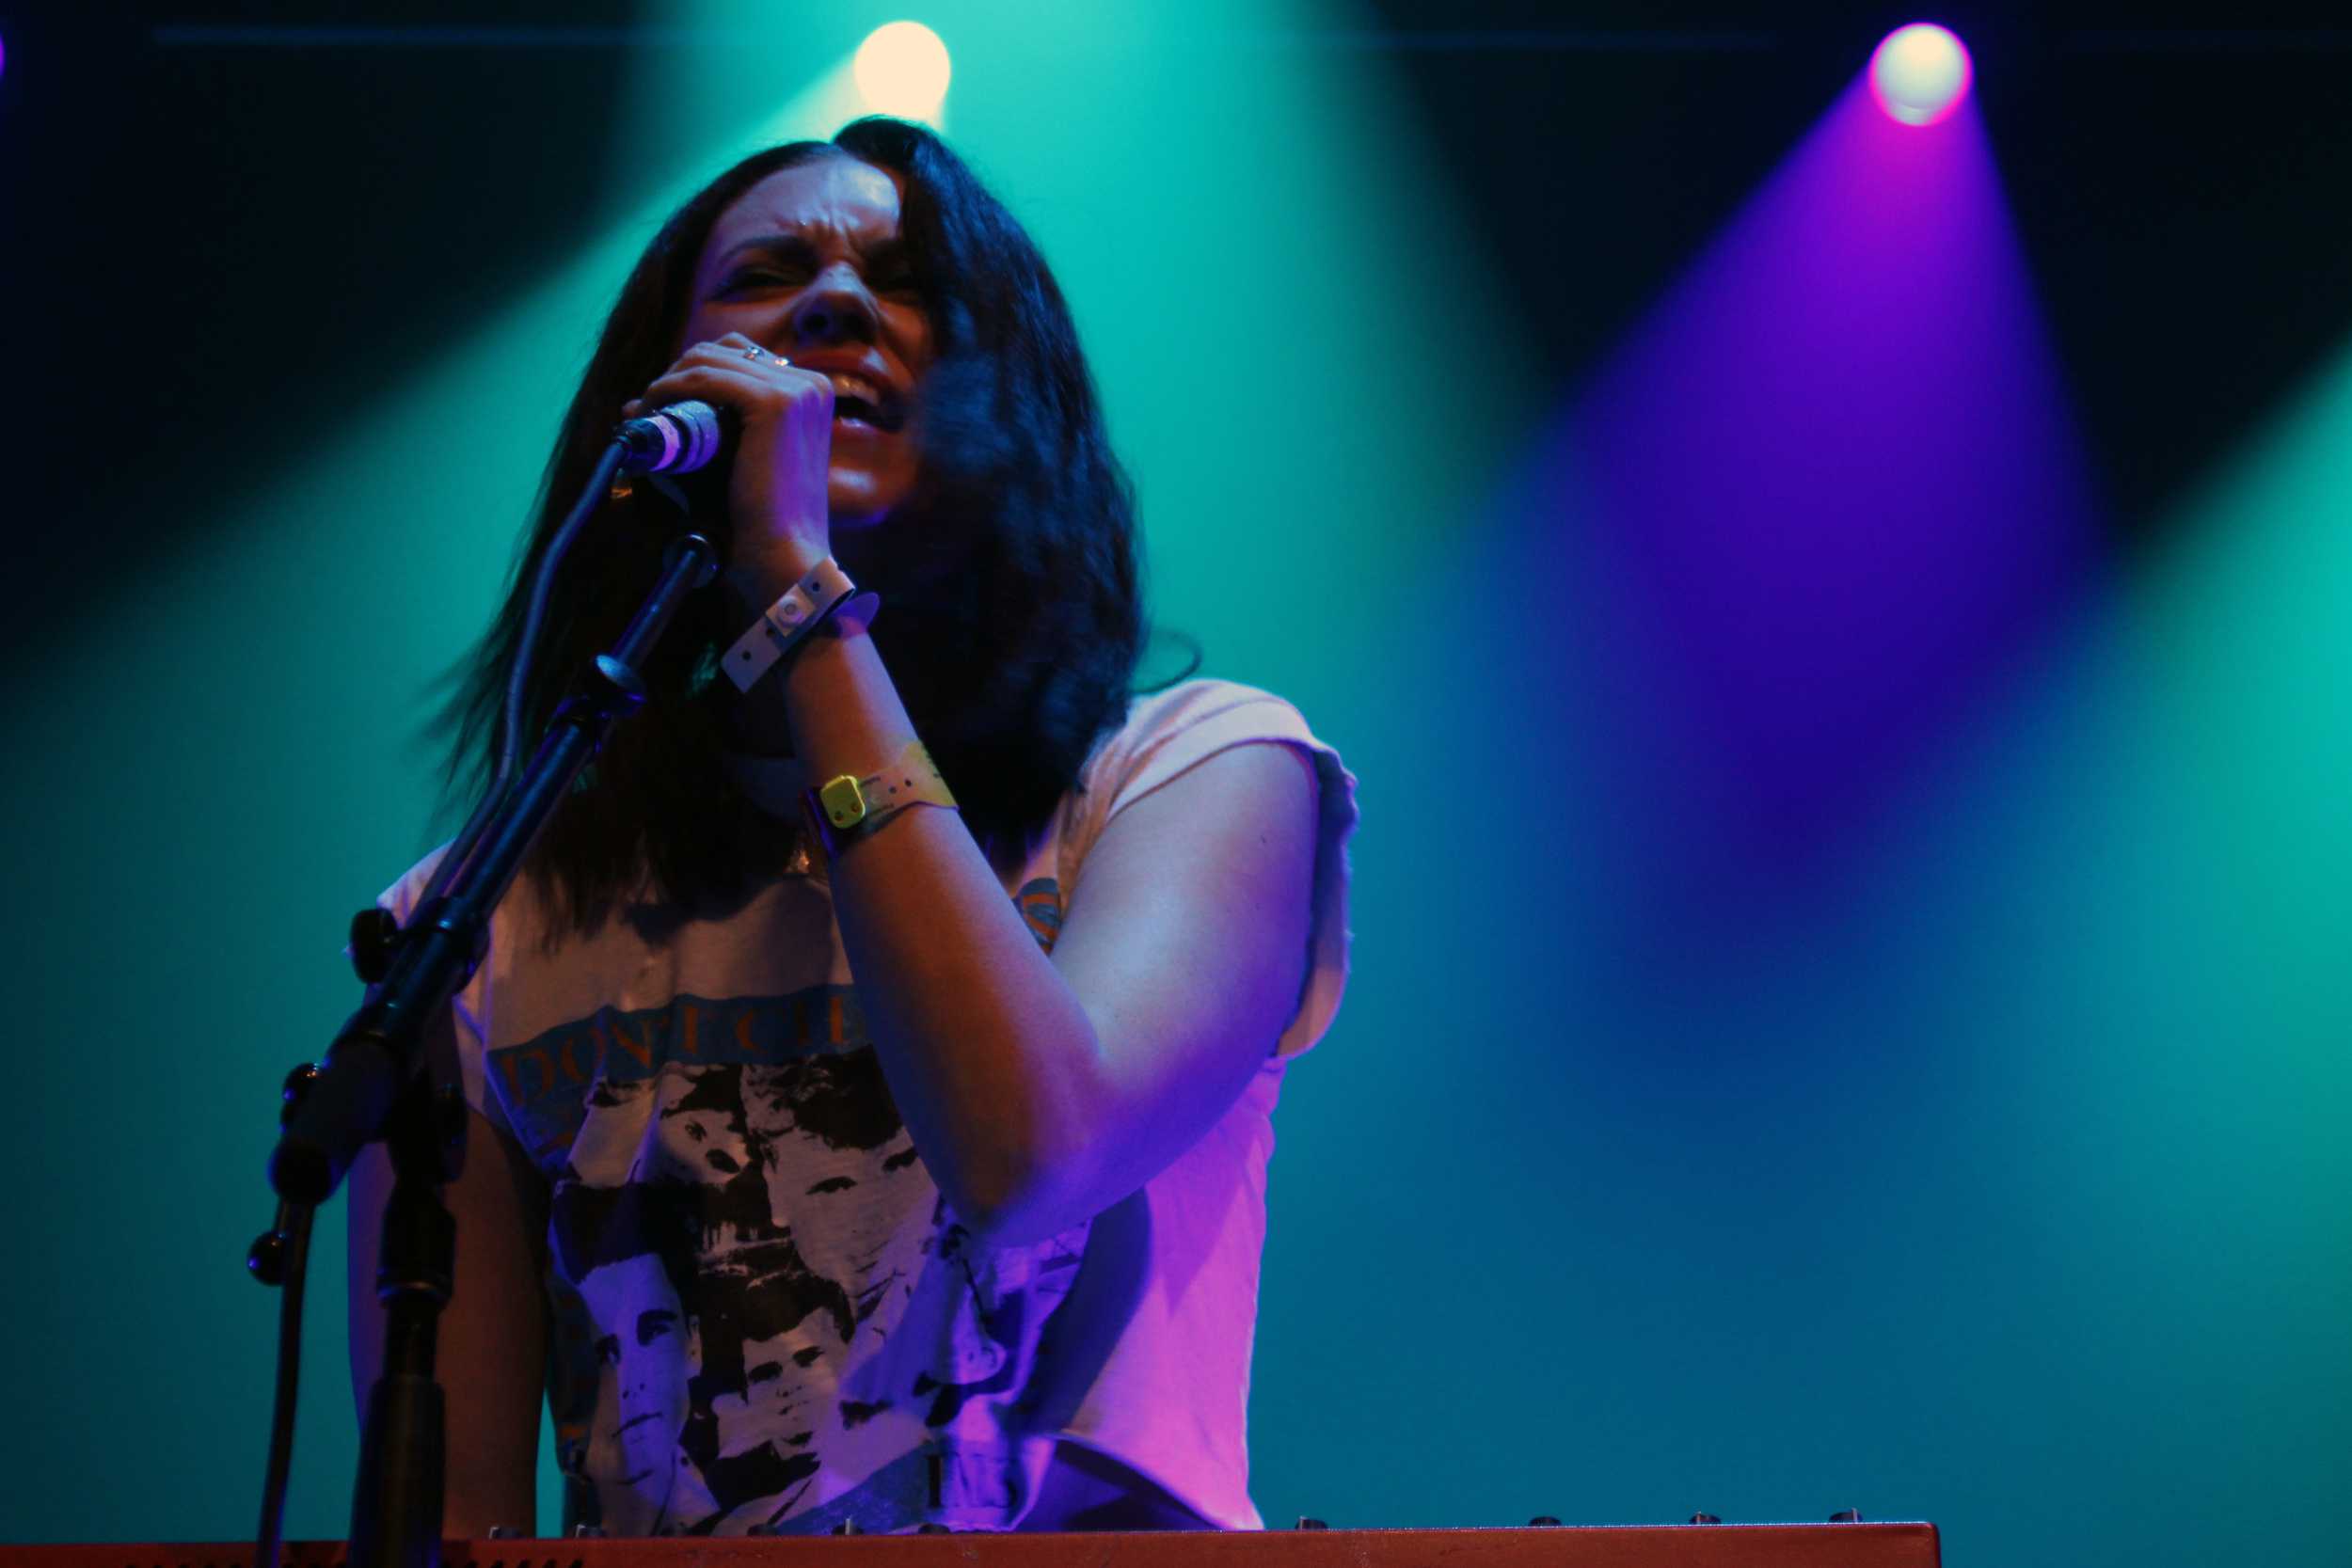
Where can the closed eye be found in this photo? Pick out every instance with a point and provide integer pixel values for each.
(751, 280)
(787, 260)
(748, 278)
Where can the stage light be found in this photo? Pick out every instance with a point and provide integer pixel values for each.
(1920, 73)
(901, 68)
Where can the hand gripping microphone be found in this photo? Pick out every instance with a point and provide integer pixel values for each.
(678, 439)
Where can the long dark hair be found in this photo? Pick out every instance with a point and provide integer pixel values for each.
(1011, 664)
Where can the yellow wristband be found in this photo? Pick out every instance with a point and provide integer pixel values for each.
(848, 807)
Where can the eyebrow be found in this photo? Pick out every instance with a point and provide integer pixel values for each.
(891, 251)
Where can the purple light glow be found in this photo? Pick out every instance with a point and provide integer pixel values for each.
(1919, 73)
(1828, 495)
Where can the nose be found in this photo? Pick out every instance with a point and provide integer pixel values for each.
(834, 308)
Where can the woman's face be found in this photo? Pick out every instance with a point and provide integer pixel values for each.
(809, 263)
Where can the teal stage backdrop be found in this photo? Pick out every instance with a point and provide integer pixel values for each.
(1989, 1166)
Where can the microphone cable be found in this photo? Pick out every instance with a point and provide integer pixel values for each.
(518, 672)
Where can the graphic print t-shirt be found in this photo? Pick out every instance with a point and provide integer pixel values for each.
(765, 1314)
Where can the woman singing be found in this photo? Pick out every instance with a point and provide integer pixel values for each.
(871, 1070)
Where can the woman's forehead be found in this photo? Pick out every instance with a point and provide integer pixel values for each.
(826, 195)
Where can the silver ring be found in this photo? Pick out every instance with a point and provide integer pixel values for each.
(755, 355)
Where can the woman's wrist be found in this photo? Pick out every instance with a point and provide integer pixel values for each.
(818, 605)
(842, 709)
(822, 595)
(753, 581)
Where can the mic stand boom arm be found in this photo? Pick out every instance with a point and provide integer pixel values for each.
(372, 1085)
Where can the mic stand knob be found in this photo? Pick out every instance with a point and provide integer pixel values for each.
(265, 1259)
(373, 936)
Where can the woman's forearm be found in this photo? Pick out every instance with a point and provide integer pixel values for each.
(990, 1057)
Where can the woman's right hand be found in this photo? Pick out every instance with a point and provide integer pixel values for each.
(777, 488)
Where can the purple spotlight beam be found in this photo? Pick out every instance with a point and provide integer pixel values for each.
(1832, 486)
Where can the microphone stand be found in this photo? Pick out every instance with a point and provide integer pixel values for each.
(374, 1084)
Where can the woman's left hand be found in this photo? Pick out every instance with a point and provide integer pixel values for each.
(777, 489)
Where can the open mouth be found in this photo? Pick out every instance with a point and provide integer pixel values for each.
(860, 404)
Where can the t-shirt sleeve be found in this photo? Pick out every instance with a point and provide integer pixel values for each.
(1168, 735)
(400, 899)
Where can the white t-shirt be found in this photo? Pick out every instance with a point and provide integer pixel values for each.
(765, 1314)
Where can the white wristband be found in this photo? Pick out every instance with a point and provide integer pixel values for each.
(802, 609)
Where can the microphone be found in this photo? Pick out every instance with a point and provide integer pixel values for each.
(678, 439)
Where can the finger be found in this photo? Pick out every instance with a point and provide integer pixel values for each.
(740, 385)
(733, 383)
(736, 343)
(733, 348)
